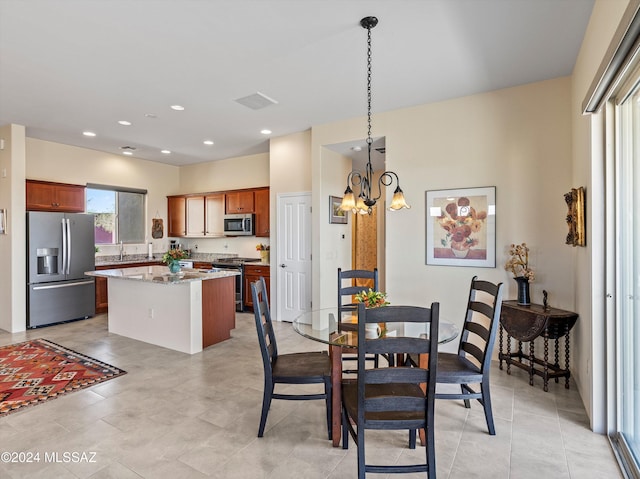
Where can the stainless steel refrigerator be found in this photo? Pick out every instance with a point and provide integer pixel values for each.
(60, 248)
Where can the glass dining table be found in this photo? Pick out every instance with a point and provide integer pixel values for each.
(322, 325)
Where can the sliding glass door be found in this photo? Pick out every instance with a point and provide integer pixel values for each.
(626, 437)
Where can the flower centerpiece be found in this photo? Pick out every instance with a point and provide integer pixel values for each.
(461, 220)
(518, 264)
(172, 259)
(372, 299)
(264, 251)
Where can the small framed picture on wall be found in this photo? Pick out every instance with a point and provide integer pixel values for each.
(336, 215)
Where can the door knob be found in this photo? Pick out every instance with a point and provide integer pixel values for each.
(283, 265)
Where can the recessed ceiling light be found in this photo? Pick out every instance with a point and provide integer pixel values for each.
(150, 115)
(208, 142)
(128, 153)
(177, 107)
(265, 132)
(356, 148)
(124, 123)
(88, 133)
(165, 152)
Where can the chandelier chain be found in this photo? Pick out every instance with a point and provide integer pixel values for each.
(369, 139)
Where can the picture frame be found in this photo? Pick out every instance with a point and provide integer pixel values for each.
(336, 215)
(461, 227)
(575, 200)
(3, 221)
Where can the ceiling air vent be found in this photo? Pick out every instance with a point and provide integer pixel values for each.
(257, 101)
(128, 148)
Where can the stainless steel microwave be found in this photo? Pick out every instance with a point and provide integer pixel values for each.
(239, 225)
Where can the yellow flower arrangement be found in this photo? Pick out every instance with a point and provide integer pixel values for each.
(174, 255)
(372, 299)
(262, 247)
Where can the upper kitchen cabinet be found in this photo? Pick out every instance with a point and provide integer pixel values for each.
(201, 215)
(177, 216)
(48, 196)
(262, 211)
(241, 201)
(195, 215)
(214, 215)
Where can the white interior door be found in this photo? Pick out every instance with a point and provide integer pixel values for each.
(294, 255)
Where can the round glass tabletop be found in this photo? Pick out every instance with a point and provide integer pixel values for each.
(322, 325)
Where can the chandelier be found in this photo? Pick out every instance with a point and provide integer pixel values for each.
(364, 181)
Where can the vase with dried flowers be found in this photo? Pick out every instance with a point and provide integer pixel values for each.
(172, 259)
(518, 264)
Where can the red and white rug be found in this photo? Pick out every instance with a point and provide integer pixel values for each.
(35, 371)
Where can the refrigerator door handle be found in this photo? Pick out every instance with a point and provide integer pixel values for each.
(64, 247)
(65, 285)
(68, 246)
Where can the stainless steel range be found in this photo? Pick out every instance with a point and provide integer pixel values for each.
(236, 264)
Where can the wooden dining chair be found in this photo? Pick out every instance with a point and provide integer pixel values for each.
(292, 368)
(472, 363)
(350, 283)
(389, 398)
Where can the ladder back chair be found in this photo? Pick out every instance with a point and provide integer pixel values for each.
(350, 283)
(472, 363)
(392, 398)
(292, 368)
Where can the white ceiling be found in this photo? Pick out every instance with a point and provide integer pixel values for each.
(67, 66)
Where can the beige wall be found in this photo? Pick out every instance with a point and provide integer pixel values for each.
(69, 164)
(517, 140)
(589, 365)
(230, 174)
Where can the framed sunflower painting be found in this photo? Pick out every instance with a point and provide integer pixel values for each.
(461, 227)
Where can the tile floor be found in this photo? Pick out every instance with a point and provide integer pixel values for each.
(180, 416)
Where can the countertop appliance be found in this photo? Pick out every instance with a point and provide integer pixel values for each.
(239, 225)
(235, 264)
(60, 248)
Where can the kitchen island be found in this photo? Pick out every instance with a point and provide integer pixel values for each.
(187, 311)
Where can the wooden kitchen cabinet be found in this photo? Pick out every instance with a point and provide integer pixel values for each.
(195, 215)
(261, 197)
(239, 201)
(214, 215)
(102, 294)
(102, 290)
(177, 216)
(252, 273)
(202, 265)
(49, 196)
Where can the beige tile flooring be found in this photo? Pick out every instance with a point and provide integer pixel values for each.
(180, 416)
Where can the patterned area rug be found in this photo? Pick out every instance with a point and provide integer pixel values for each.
(34, 371)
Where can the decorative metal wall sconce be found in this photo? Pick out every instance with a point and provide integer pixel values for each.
(576, 217)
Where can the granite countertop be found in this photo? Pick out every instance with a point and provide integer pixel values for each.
(160, 274)
(114, 260)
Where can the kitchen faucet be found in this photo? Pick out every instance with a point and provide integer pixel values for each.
(121, 251)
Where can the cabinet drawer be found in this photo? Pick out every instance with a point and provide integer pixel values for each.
(256, 270)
